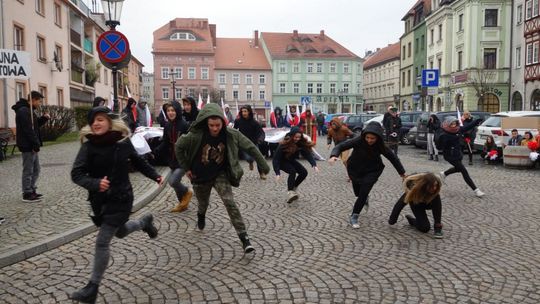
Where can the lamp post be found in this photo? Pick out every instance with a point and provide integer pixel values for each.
(173, 82)
(341, 94)
(112, 9)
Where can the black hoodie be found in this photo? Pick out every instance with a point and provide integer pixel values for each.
(171, 132)
(28, 137)
(191, 116)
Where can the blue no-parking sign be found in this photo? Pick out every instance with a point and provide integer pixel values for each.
(113, 47)
(430, 78)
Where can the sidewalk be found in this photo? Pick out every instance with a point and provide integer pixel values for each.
(62, 216)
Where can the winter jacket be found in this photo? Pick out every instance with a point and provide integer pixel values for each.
(141, 117)
(129, 118)
(392, 124)
(450, 143)
(433, 126)
(365, 164)
(187, 145)
(277, 120)
(95, 161)
(339, 135)
(279, 157)
(190, 117)
(171, 132)
(250, 128)
(28, 137)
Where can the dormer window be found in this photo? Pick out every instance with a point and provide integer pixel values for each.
(292, 48)
(328, 50)
(182, 36)
(306, 39)
(310, 49)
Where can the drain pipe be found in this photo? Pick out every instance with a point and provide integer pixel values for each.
(2, 42)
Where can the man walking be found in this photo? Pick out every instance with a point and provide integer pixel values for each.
(210, 155)
(29, 142)
(392, 126)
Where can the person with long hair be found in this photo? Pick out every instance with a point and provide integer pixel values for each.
(286, 160)
(129, 114)
(433, 126)
(365, 165)
(421, 193)
(450, 144)
(250, 128)
(102, 168)
(527, 137)
(191, 111)
(339, 132)
(487, 148)
(308, 125)
(469, 135)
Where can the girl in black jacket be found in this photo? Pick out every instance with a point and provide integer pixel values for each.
(450, 143)
(421, 193)
(101, 167)
(365, 165)
(249, 127)
(175, 127)
(285, 159)
(433, 126)
(191, 111)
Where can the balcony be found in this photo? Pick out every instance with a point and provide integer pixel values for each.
(75, 37)
(80, 4)
(88, 46)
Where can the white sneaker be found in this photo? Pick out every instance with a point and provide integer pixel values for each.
(479, 193)
(292, 196)
(442, 176)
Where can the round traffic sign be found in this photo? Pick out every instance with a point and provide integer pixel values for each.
(112, 46)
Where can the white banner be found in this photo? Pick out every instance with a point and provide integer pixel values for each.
(14, 64)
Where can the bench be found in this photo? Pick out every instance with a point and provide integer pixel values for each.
(517, 157)
(7, 139)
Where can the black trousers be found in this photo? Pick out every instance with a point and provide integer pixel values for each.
(459, 167)
(362, 192)
(421, 221)
(297, 173)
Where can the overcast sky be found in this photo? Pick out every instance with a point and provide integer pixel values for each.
(358, 25)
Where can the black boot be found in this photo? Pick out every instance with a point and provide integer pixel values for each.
(246, 244)
(411, 220)
(88, 294)
(431, 157)
(148, 225)
(201, 221)
(436, 157)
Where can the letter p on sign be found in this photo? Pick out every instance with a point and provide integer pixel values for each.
(430, 78)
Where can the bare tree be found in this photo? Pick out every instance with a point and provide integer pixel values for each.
(480, 80)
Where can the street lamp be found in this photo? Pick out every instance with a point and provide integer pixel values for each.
(173, 82)
(341, 94)
(112, 9)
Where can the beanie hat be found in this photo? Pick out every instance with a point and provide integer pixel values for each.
(101, 109)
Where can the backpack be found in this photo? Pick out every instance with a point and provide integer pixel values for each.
(437, 138)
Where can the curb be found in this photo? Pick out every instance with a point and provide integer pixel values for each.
(24, 252)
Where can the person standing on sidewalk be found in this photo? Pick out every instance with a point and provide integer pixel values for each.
(392, 125)
(102, 168)
(29, 142)
(365, 164)
(421, 193)
(320, 123)
(433, 126)
(469, 135)
(250, 128)
(175, 127)
(450, 143)
(285, 159)
(210, 155)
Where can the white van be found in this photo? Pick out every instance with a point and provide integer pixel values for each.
(492, 126)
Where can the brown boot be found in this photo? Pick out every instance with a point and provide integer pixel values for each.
(183, 203)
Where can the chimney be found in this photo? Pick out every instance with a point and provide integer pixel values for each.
(256, 40)
(213, 33)
(172, 23)
(295, 34)
(378, 49)
(321, 35)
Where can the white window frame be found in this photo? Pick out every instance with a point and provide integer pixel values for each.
(283, 67)
(519, 14)
(165, 93)
(222, 78)
(345, 88)
(319, 67)
(235, 78)
(319, 88)
(333, 68)
(347, 68)
(165, 72)
(528, 10)
(262, 79)
(249, 79)
(309, 67)
(296, 67)
(518, 57)
(58, 14)
(249, 95)
(310, 88)
(192, 73)
(41, 48)
(535, 8)
(235, 94)
(177, 93)
(18, 38)
(536, 49)
(333, 86)
(296, 88)
(262, 95)
(282, 87)
(178, 71)
(205, 73)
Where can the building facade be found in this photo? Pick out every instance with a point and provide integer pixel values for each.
(316, 69)
(421, 101)
(408, 82)
(381, 78)
(148, 91)
(517, 64)
(531, 34)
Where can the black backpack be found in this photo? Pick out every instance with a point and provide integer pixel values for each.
(437, 138)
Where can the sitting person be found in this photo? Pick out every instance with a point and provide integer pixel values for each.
(515, 140)
(489, 146)
(421, 193)
(527, 138)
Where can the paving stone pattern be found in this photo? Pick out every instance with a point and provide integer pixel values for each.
(307, 253)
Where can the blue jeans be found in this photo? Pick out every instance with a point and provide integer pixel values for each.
(175, 181)
(244, 155)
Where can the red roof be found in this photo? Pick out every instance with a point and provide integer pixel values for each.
(199, 27)
(300, 45)
(383, 55)
(239, 54)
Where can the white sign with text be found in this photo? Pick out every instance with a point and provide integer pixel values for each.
(14, 64)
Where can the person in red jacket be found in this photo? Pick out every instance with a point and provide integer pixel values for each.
(308, 125)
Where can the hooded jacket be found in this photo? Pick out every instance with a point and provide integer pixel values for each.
(365, 164)
(339, 135)
(171, 132)
(277, 120)
(450, 143)
(187, 146)
(249, 127)
(28, 138)
(96, 160)
(191, 116)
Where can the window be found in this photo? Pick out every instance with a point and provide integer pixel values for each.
(57, 14)
(283, 67)
(178, 73)
(346, 68)
(40, 44)
(491, 17)
(432, 35)
(310, 88)
(519, 14)
(205, 93)
(358, 87)
(535, 8)
(422, 42)
(296, 88)
(528, 8)
(296, 67)
(408, 78)
(459, 60)
(40, 7)
(204, 73)
(235, 78)
(262, 95)
(310, 67)
(191, 73)
(178, 93)
(319, 88)
(403, 53)
(490, 58)
(235, 94)
(222, 94)
(518, 57)
(165, 93)
(345, 88)
(191, 92)
(282, 88)
(164, 72)
(319, 67)
(182, 36)
(529, 54)
(460, 22)
(249, 95)
(60, 97)
(262, 79)
(249, 79)
(58, 53)
(18, 38)
(20, 90)
(409, 49)
(440, 32)
(535, 52)
(416, 45)
(332, 67)
(403, 79)
(43, 91)
(221, 78)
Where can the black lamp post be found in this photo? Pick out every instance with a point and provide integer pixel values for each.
(341, 94)
(112, 9)
(173, 82)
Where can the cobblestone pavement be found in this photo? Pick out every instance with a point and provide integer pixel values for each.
(307, 253)
(64, 208)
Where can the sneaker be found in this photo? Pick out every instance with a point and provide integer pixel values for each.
(436, 157)
(438, 234)
(292, 196)
(30, 198)
(201, 221)
(354, 221)
(478, 193)
(250, 166)
(148, 225)
(38, 195)
(2, 220)
(262, 176)
(410, 219)
(442, 176)
(246, 244)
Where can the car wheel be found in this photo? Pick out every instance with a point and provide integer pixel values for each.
(405, 140)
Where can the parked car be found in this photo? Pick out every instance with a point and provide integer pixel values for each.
(411, 136)
(356, 122)
(408, 120)
(492, 126)
(421, 125)
(329, 117)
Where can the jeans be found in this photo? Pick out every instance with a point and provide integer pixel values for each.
(459, 167)
(297, 173)
(432, 149)
(30, 172)
(175, 181)
(244, 155)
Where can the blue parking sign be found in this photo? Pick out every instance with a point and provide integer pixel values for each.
(430, 78)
